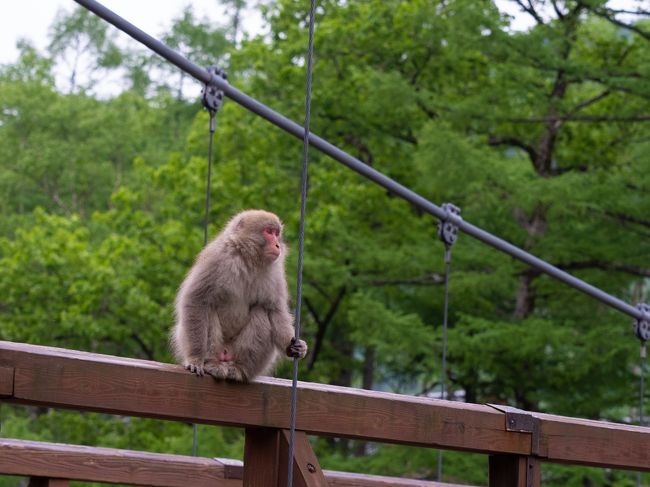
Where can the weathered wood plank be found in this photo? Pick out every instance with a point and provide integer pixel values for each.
(79, 380)
(597, 443)
(514, 471)
(6, 381)
(94, 464)
(47, 482)
(307, 471)
(345, 479)
(263, 458)
(52, 461)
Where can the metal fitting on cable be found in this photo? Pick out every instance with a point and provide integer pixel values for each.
(642, 325)
(212, 95)
(448, 231)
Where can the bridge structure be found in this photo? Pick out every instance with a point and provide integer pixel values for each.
(518, 442)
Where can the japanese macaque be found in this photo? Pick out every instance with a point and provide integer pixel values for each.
(232, 315)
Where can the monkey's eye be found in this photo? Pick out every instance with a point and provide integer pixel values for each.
(272, 231)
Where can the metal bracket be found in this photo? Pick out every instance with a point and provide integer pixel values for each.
(448, 231)
(642, 326)
(523, 422)
(212, 95)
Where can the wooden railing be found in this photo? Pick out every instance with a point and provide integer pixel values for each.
(516, 440)
(61, 463)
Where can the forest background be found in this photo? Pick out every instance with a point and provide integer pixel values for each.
(541, 137)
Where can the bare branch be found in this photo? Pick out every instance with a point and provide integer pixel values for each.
(591, 101)
(425, 280)
(530, 9)
(607, 266)
(582, 118)
(610, 15)
(558, 12)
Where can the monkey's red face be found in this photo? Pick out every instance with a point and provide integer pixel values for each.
(272, 246)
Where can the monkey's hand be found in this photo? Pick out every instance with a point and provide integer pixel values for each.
(297, 348)
(195, 368)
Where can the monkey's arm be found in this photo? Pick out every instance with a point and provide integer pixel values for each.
(194, 335)
(283, 334)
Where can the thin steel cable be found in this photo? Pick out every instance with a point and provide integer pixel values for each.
(445, 316)
(209, 183)
(301, 237)
(205, 232)
(642, 355)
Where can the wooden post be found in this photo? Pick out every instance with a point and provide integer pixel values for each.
(265, 460)
(514, 471)
(47, 482)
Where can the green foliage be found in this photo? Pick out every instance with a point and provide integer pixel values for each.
(540, 136)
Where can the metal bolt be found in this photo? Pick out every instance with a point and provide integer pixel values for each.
(311, 468)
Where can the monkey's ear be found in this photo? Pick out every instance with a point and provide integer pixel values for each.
(240, 223)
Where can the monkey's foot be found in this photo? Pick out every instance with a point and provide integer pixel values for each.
(224, 370)
(195, 369)
(297, 348)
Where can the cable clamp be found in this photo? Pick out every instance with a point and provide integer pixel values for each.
(212, 95)
(448, 231)
(642, 325)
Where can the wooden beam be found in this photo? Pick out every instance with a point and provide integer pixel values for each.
(597, 443)
(94, 464)
(6, 381)
(57, 461)
(345, 479)
(47, 482)
(71, 379)
(79, 380)
(235, 470)
(514, 471)
(266, 453)
(307, 471)
(263, 458)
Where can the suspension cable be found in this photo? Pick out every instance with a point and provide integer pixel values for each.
(448, 233)
(212, 100)
(443, 367)
(301, 239)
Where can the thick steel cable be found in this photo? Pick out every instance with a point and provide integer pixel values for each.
(301, 239)
(445, 318)
(208, 190)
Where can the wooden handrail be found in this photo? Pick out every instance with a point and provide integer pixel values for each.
(54, 377)
(94, 464)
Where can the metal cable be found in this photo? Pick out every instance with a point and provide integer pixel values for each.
(301, 238)
(209, 184)
(205, 231)
(445, 316)
(642, 356)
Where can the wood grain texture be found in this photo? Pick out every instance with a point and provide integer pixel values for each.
(6, 381)
(47, 482)
(53, 461)
(79, 380)
(345, 479)
(40, 460)
(263, 458)
(514, 471)
(597, 443)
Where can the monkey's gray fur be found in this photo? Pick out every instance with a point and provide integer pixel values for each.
(232, 315)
